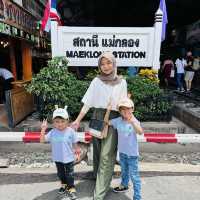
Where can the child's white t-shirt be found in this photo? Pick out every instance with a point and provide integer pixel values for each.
(61, 144)
(127, 138)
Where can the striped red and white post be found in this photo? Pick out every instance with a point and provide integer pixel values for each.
(85, 137)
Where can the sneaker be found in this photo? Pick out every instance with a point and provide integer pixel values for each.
(62, 190)
(120, 188)
(182, 90)
(72, 193)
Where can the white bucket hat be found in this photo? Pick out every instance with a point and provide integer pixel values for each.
(60, 112)
(126, 102)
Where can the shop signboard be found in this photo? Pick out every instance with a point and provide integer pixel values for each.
(1, 9)
(15, 32)
(14, 15)
(5, 28)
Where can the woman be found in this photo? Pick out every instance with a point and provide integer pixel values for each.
(168, 66)
(106, 87)
(189, 71)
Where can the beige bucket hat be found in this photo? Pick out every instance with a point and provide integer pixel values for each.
(126, 102)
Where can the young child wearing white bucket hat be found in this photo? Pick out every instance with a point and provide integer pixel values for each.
(63, 141)
(127, 127)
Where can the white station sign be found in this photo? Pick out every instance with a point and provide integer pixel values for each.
(131, 46)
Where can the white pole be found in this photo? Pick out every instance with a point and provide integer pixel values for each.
(157, 39)
(54, 38)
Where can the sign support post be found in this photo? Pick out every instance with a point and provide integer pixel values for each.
(157, 39)
(54, 38)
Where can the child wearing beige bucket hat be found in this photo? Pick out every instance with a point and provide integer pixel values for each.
(127, 127)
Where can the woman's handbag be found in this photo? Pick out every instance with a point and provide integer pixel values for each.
(96, 127)
(99, 128)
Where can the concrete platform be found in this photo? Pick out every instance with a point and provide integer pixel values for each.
(84, 171)
(188, 113)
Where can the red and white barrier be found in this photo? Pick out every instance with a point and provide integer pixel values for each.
(85, 137)
(26, 137)
(169, 138)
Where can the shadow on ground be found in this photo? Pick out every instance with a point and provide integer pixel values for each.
(85, 190)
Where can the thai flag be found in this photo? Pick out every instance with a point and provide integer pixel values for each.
(50, 12)
(162, 6)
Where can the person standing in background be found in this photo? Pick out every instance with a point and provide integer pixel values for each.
(132, 71)
(180, 65)
(189, 71)
(8, 79)
(168, 66)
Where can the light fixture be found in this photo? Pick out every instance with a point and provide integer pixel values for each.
(4, 44)
(173, 33)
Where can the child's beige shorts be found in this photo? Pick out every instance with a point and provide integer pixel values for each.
(189, 75)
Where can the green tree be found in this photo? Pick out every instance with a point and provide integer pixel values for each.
(151, 103)
(56, 86)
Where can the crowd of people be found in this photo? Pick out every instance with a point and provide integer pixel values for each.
(181, 70)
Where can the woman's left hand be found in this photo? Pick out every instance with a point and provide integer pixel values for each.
(77, 154)
(75, 125)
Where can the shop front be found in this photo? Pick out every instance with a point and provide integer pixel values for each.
(18, 36)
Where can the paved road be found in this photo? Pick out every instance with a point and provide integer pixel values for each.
(159, 182)
(153, 188)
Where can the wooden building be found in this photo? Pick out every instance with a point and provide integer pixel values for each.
(21, 45)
